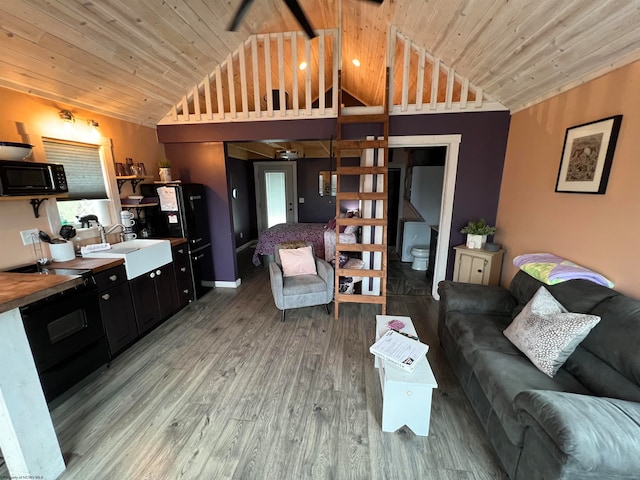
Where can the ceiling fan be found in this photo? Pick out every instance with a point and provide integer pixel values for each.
(295, 9)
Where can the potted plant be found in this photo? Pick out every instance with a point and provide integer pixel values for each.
(477, 232)
(165, 170)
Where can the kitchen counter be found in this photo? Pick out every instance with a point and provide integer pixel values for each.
(19, 289)
(94, 264)
(175, 241)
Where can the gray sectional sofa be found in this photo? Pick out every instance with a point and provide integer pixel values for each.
(584, 423)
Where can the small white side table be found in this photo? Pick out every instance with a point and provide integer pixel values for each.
(406, 397)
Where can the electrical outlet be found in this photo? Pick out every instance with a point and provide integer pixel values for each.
(29, 236)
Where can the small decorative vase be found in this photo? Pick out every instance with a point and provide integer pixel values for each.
(165, 174)
(476, 241)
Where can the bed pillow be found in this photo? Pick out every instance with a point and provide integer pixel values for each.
(297, 261)
(331, 224)
(547, 333)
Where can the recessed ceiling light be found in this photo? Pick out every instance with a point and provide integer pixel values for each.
(356, 62)
(303, 65)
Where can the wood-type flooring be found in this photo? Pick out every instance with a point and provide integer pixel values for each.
(224, 390)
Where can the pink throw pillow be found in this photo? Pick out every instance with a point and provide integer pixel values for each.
(297, 261)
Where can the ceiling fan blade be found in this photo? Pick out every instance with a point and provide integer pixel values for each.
(240, 13)
(301, 17)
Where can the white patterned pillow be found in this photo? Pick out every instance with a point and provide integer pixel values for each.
(547, 333)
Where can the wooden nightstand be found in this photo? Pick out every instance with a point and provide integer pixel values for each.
(476, 265)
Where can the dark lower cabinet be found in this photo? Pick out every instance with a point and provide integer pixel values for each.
(182, 271)
(154, 296)
(116, 308)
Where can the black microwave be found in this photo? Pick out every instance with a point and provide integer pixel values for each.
(32, 178)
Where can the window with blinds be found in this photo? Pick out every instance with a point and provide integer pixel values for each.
(82, 167)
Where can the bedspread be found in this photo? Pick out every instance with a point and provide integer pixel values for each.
(310, 232)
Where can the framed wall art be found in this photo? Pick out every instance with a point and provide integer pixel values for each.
(587, 156)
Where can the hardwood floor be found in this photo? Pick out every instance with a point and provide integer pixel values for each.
(224, 390)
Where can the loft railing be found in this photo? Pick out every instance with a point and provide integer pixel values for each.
(263, 80)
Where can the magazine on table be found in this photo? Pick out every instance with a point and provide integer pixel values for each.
(400, 350)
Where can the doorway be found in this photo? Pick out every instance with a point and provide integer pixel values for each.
(276, 193)
(452, 142)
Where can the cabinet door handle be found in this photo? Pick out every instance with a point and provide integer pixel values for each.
(186, 290)
(113, 278)
(152, 275)
(158, 272)
(106, 296)
(183, 269)
(181, 250)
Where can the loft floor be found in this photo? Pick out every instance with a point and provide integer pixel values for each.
(225, 390)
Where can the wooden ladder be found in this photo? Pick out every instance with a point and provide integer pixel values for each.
(372, 219)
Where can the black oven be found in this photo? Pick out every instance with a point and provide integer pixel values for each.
(66, 336)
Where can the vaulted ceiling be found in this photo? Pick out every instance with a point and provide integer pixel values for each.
(133, 60)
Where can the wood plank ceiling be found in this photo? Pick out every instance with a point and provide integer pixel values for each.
(134, 59)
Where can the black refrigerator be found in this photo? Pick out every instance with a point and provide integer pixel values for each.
(182, 212)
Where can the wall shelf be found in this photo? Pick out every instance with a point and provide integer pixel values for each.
(34, 200)
(134, 179)
(138, 206)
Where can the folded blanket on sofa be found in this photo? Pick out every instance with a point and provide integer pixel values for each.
(551, 269)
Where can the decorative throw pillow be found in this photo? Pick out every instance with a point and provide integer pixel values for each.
(351, 229)
(297, 261)
(547, 333)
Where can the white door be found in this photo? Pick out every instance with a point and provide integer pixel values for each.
(276, 193)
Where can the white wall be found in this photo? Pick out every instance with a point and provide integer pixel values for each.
(426, 192)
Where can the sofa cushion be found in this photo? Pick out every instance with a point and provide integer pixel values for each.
(303, 284)
(579, 296)
(615, 340)
(503, 377)
(599, 377)
(479, 332)
(547, 333)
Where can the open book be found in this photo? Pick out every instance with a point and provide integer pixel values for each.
(400, 350)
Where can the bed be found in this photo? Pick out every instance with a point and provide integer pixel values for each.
(323, 239)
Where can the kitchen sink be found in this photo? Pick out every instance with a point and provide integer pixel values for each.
(140, 255)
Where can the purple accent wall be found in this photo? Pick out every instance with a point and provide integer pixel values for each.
(317, 209)
(243, 208)
(480, 164)
(205, 163)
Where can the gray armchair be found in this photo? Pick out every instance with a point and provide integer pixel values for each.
(301, 290)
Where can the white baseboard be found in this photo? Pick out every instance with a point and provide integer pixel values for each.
(218, 284)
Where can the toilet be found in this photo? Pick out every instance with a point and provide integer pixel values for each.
(420, 257)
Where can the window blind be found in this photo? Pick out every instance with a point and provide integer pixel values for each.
(82, 167)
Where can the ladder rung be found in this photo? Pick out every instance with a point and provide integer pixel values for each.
(361, 247)
(368, 222)
(355, 298)
(361, 196)
(375, 118)
(362, 170)
(361, 144)
(354, 272)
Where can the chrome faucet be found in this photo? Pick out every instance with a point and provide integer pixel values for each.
(104, 233)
